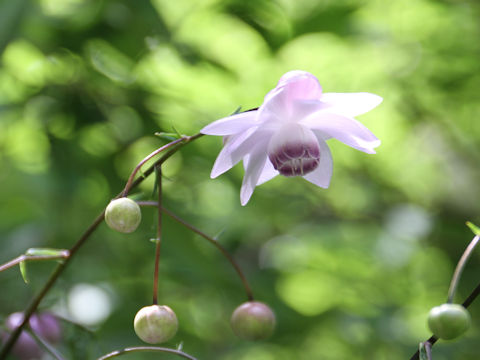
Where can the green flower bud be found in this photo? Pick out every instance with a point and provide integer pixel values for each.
(155, 324)
(253, 320)
(123, 215)
(448, 321)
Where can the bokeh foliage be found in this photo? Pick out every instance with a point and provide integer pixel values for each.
(350, 271)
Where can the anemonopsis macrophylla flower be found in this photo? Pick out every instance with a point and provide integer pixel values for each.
(287, 134)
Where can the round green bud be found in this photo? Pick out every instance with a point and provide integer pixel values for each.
(155, 324)
(448, 321)
(123, 215)
(253, 320)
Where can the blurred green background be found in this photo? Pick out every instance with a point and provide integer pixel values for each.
(350, 271)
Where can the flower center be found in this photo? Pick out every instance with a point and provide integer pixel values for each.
(294, 150)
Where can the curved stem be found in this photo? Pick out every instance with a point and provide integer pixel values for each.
(225, 253)
(65, 254)
(184, 139)
(73, 250)
(146, 349)
(460, 266)
(158, 240)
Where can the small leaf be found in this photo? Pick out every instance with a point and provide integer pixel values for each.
(475, 229)
(23, 271)
(154, 240)
(168, 136)
(45, 251)
(237, 111)
(220, 233)
(180, 346)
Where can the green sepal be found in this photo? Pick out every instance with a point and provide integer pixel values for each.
(23, 271)
(45, 252)
(475, 229)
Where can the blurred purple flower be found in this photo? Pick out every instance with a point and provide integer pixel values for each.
(45, 325)
(287, 134)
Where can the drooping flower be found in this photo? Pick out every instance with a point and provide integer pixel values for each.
(287, 134)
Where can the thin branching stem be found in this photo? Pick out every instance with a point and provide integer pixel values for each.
(46, 288)
(459, 269)
(225, 253)
(146, 349)
(158, 240)
(73, 250)
(63, 255)
(183, 139)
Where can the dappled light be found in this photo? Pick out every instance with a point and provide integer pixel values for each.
(350, 260)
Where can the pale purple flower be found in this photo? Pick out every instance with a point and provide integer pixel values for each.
(287, 134)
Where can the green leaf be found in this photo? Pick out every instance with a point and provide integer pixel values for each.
(23, 271)
(45, 251)
(475, 229)
(422, 351)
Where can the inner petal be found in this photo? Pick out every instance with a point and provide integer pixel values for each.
(293, 150)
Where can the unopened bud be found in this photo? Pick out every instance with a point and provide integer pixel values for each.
(253, 320)
(155, 324)
(123, 215)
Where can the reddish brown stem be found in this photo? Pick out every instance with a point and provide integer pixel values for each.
(145, 159)
(158, 240)
(225, 253)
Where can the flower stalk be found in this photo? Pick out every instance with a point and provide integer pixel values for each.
(213, 241)
(459, 269)
(158, 240)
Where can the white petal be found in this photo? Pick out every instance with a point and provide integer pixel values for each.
(351, 104)
(322, 174)
(294, 86)
(224, 161)
(256, 163)
(268, 172)
(300, 85)
(237, 147)
(303, 108)
(275, 105)
(343, 128)
(231, 124)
